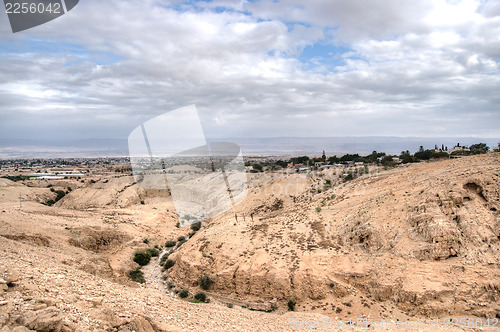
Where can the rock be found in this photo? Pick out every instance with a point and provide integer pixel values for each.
(20, 329)
(39, 306)
(139, 324)
(11, 277)
(96, 301)
(49, 319)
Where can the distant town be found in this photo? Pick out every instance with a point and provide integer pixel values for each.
(77, 168)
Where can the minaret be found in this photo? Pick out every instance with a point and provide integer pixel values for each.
(323, 156)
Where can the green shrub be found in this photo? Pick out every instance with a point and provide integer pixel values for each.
(60, 194)
(183, 293)
(230, 305)
(142, 257)
(318, 209)
(202, 297)
(163, 259)
(153, 252)
(142, 202)
(168, 264)
(291, 305)
(146, 240)
(137, 275)
(50, 202)
(196, 226)
(205, 282)
(170, 244)
(181, 238)
(193, 300)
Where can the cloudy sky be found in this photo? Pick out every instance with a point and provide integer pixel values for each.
(256, 68)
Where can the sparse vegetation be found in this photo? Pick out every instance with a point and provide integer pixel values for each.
(163, 259)
(168, 264)
(291, 305)
(318, 209)
(153, 252)
(202, 297)
(142, 257)
(59, 195)
(137, 275)
(170, 244)
(183, 293)
(196, 226)
(205, 282)
(146, 240)
(181, 238)
(15, 178)
(349, 176)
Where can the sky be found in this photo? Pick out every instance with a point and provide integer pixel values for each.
(280, 68)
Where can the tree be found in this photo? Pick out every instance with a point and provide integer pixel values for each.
(257, 167)
(300, 160)
(406, 157)
(479, 148)
(373, 157)
(388, 161)
(282, 163)
(349, 157)
(333, 160)
(424, 154)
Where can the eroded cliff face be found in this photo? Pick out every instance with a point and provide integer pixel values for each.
(425, 236)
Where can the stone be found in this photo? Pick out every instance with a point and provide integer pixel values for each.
(20, 329)
(96, 301)
(48, 319)
(11, 277)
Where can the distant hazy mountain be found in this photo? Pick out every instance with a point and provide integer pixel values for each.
(284, 146)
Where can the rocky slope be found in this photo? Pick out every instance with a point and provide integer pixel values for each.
(424, 237)
(406, 243)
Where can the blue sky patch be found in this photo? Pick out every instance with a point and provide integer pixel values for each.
(76, 52)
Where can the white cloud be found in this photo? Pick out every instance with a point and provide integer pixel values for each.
(411, 68)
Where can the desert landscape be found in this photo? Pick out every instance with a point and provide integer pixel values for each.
(413, 242)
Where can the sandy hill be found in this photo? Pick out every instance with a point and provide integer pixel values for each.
(425, 237)
(415, 241)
